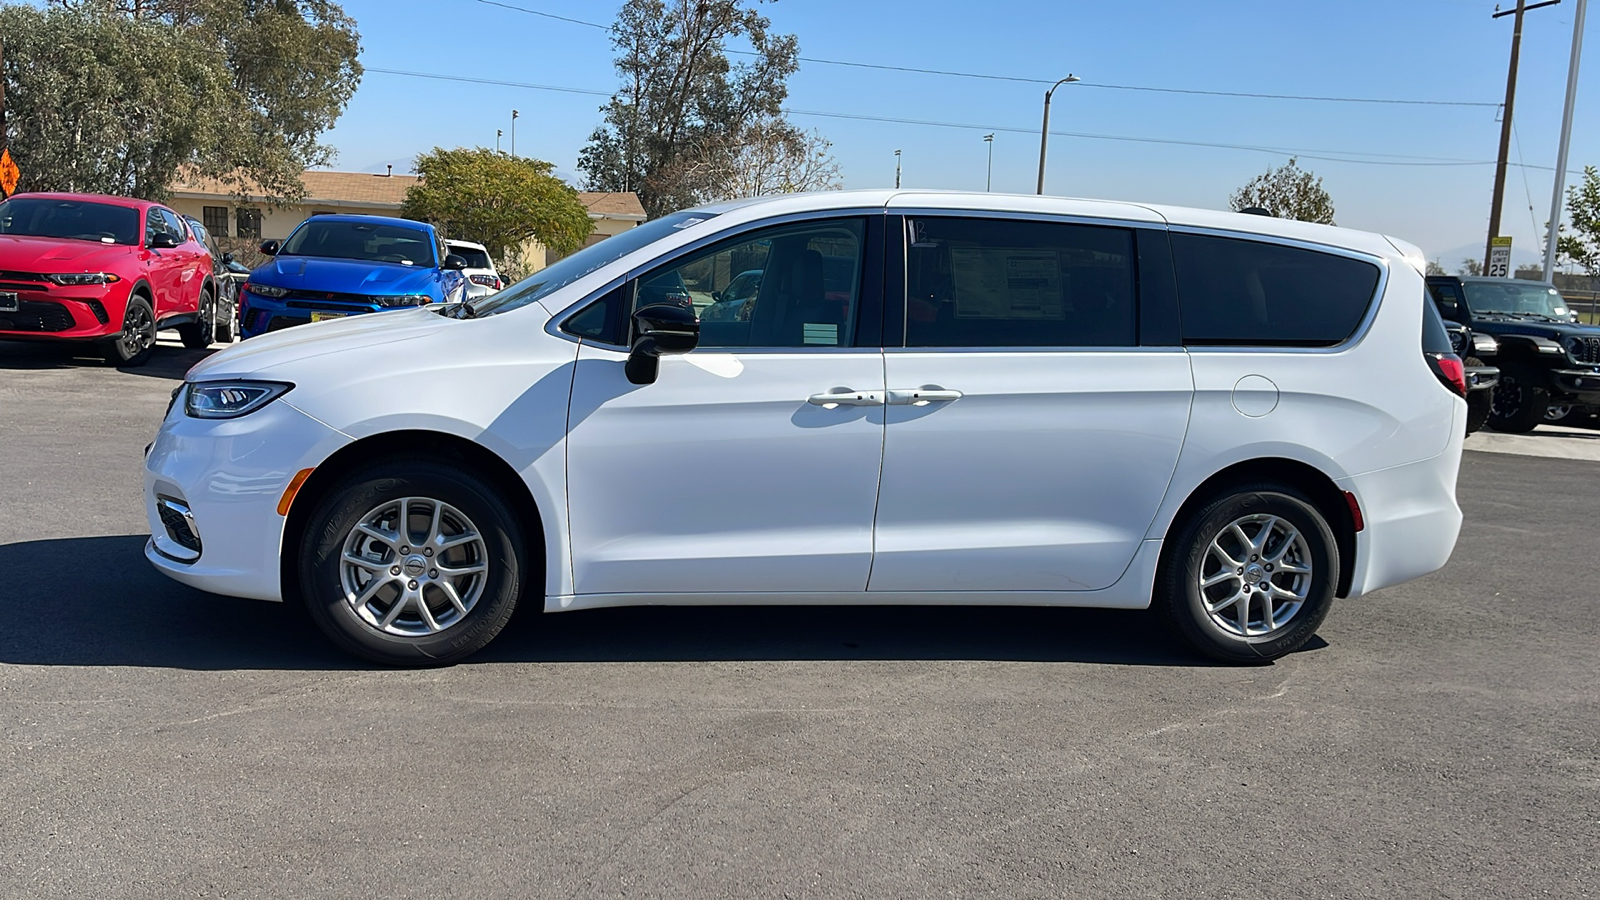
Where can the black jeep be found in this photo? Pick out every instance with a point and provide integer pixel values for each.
(1549, 364)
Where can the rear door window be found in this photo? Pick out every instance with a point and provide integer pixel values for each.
(1235, 292)
(981, 282)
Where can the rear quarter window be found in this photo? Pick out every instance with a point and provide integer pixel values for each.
(1237, 292)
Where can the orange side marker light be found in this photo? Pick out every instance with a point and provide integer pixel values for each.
(294, 488)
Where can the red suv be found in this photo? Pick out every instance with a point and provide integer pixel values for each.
(102, 270)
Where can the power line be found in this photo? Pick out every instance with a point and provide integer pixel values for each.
(1023, 80)
(495, 81)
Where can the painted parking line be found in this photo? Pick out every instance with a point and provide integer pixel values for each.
(1553, 441)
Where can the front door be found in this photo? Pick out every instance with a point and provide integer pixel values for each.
(1030, 438)
(751, 464)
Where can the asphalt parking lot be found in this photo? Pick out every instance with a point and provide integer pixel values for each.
(1438, 739)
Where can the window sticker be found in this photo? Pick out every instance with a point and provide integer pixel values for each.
(814, 333)
(1007, 283)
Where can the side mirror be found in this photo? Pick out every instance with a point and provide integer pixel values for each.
(452, 261)
(163, 241)
(227, 258)
(716, 296)
(269, 248)
(661, 328)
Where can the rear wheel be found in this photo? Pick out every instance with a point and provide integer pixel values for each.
(197, 335)
(1518, 406)
(411, 563)
(1250, 575)
(133, 345)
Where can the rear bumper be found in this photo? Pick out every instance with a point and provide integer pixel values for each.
(1412, 518)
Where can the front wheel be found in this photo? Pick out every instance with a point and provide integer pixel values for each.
(134, 344)
(411, 563)
(1518, 406)
(1251, 575)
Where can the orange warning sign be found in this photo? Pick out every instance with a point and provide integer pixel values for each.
(9, 173)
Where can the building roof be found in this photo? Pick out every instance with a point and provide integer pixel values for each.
(389, 191)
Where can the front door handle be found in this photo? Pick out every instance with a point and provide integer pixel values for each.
(922, 396)
(846, 397)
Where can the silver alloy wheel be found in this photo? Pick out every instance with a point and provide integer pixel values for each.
(413, 567)
(138, 331)
(1255, 576)
(1557, 411)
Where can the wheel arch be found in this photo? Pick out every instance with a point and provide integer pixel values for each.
(1309, 480)
(416, 442)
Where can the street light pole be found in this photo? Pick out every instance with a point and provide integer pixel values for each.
(514, 115)
(897, 170)
(1044, 130)
(497, 133)
(988, 179)
(1566, 142)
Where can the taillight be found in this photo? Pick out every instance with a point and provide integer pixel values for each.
(1450, 371)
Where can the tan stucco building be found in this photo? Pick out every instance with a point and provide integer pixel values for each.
(223, 214)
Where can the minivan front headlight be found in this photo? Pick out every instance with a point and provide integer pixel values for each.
(230, 399)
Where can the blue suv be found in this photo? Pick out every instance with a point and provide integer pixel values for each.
(334, 266)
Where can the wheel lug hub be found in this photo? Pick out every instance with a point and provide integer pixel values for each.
(395, 570)
(433, 573)
(412, 585)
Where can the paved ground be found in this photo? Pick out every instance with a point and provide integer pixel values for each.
(1439, 739)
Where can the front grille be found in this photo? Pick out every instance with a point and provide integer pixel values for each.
(37, 315)
(278, 323)
(321, 297)
(7, 275)
(329, 304)
(1587, 350)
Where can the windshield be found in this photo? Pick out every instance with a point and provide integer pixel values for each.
(1515, 299)
(476, 258)
(375, 241)
(553, 278)
(78, 220)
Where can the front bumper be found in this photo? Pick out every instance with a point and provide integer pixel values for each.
(227, 476)
(1482, 378)
(52, 312)
(259, 315)
(1582, 384)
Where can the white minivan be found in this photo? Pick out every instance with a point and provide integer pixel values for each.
(928, 398)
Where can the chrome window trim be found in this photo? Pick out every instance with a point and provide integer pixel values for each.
(553, 327)
(1101, 348)
(1363, 327)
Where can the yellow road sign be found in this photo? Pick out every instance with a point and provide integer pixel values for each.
(9, 173)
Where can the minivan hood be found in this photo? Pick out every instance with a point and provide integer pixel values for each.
(344, 276)
(277, 349)
(26, 253)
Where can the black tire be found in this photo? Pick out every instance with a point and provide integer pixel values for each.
(225, 329)
(1479, 403)
(323, 572)
(133, 345)
(197, 335)
(1518, 405)
(1188, 555)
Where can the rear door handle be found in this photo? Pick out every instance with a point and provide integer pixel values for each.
(922, 396)
(846, 397)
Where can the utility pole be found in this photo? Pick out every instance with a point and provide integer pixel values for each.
(897, 170)
(988, 179)
(1566, 142)
(1505, 122)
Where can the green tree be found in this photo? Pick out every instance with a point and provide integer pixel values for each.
(1582, 244)
(497, 200)
(1288, 192)
(117, 96)
(1435, 269)
(1470, 267)
(684, 111)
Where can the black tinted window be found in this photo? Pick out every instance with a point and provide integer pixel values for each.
(1004, 283)
(74, 219)
(1247, 292)
(476, 259)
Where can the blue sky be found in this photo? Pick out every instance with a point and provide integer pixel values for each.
(1407, 49)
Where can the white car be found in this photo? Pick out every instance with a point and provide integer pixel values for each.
(1012, 400)
(482, 279)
